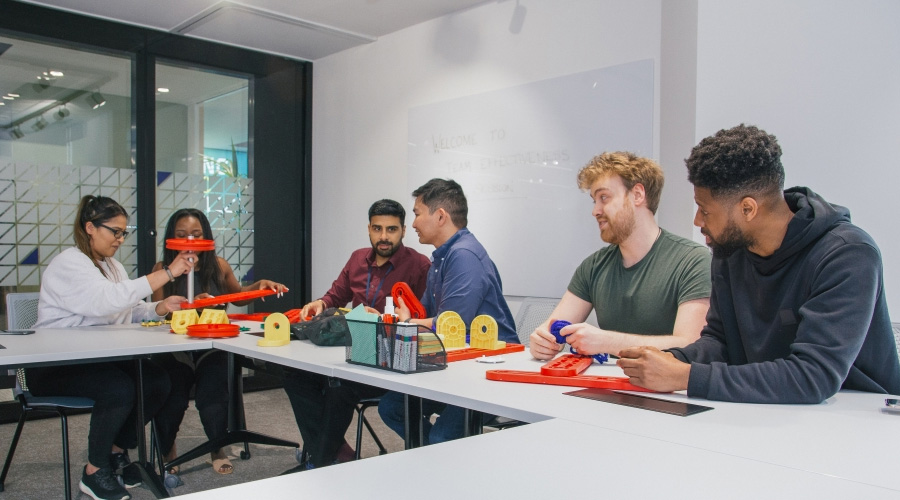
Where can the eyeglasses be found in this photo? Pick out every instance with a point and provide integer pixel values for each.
(117, 233)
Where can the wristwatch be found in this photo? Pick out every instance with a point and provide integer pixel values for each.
(171, 276)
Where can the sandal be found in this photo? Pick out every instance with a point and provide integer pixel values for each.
(222, 465)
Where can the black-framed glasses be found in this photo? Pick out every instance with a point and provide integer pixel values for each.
(117, 233)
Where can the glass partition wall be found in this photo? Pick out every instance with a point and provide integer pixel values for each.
(65, 132)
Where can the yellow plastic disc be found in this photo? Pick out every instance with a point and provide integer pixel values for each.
(277, 331)
(453, 328)
(483, 332)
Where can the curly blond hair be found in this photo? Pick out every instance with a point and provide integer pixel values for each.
(631, 168)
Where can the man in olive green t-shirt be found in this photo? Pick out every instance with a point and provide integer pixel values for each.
(648, 287)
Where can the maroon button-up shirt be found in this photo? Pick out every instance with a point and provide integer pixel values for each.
(405, 265)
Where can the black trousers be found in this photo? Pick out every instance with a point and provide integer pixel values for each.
(323, 407)
(112, 387)
(210, 376)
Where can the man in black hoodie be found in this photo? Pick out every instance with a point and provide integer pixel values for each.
(797, 310)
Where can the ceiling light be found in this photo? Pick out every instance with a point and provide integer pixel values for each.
(40, 124)
(95, 100)
(61, 114)
(8, 98)
(16, 133)
(13, 95)
(55, 73)
(162, 90)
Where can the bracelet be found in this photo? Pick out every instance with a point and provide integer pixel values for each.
(171, 276)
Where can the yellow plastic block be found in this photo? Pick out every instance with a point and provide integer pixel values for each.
(499, 344)
(213, 317)
(483, 332)
(183, 319)
(277, 331)
(452, 328)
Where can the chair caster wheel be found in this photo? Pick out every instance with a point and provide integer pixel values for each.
(245, 455)
(172, 481)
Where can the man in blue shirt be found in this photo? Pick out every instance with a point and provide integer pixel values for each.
(463, 279)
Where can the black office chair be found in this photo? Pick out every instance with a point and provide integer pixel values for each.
(361, 420)
(22, 314)
(532, 312)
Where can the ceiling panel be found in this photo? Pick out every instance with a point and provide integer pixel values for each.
(300, 29)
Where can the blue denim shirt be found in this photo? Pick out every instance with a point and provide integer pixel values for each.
(464, 279)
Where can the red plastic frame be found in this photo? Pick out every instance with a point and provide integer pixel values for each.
(595, 381)
(472, 353)
(401, 289)
(567, 366)
(230, 297)
(213, 331)
(188, 244)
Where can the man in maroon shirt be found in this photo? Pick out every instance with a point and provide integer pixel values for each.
(323, 406)
(370, 273)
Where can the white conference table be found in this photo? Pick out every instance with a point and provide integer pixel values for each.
(848, 436)
(846, 442)
(553, 459)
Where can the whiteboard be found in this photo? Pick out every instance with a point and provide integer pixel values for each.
(516, 153)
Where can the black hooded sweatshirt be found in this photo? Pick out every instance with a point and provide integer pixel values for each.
(802, 323)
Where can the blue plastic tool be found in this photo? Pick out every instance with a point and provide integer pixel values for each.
(558, 325)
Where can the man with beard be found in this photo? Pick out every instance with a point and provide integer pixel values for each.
(798, 308)
(648, 287)
(323, 406)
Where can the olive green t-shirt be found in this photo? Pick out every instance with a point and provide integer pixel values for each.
(644, 298)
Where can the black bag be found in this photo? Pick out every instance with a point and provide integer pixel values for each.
(329, 328)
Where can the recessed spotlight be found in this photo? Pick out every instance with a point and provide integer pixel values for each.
(56, 73)
(162, 90)
(16, 133)
(61, 114)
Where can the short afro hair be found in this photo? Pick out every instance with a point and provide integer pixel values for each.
(739, 161)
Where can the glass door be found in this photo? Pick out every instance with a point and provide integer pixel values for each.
(204, 158)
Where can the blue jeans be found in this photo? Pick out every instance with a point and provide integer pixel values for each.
(449, 425)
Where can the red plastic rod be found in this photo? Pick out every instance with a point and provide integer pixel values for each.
(472, 353)
(224, 299)
(595, 381)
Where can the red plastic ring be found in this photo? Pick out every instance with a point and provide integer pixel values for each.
(216, 330)
(187, 244)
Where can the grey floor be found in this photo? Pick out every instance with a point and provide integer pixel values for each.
(36, 470)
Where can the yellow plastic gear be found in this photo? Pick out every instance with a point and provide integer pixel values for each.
(453, 329)
(183, 319)
(213, 317)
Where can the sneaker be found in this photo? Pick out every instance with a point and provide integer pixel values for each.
(102, 485)
(120, 463)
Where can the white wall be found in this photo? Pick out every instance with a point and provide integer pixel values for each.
(824, 77)
(361, 98)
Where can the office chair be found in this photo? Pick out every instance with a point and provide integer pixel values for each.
(532, 312)
(21, 310)
(896, 328)
(361, 420)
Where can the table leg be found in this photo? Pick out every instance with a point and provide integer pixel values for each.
(150, 477)
(237, 426)
(413, 437)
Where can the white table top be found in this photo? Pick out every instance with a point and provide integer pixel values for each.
(847, 438)
(50, 345)
(575, 461)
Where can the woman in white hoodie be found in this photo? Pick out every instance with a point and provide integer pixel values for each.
(85, 286)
